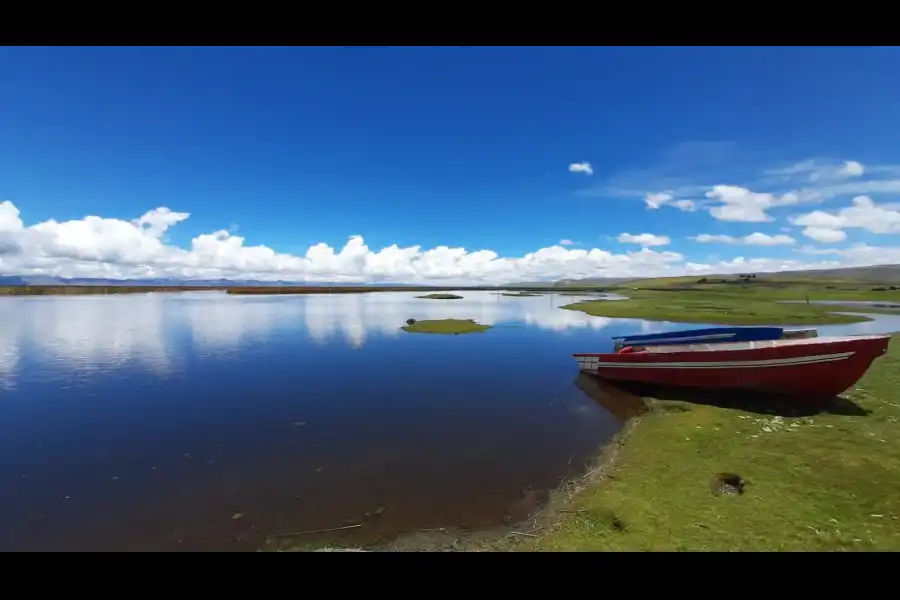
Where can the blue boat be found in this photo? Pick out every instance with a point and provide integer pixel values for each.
(712, 335)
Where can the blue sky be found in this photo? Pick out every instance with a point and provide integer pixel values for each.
(458, 147)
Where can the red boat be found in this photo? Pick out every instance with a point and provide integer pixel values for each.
(824, 366)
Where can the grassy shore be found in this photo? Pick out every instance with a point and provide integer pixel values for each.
(824, 478)
(811, 477)
(449, 326)
(676, 300)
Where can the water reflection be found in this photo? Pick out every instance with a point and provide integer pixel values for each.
(9, 350)
(619, 402)
(90, 333)
(356, 316)
(219, 322)
(149, 421)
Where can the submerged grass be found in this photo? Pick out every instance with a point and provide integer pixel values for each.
(815, 479)
(452, 326)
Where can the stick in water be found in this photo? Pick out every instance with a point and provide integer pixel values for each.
(283, 535)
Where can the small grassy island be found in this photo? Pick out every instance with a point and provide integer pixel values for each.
(451, 326)
(519, 294)
(440, 297)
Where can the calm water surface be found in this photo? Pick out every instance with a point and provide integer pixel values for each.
(201, 421)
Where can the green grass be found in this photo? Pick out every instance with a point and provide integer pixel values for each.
(819, 482)
(714, 310)
(451, 326)
(674, 299)
(440, 297)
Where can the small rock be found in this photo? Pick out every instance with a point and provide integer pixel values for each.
(237, 516)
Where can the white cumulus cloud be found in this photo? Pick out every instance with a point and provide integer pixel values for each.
(581, 167)
(566, 243)
(95, 246)
(644, 239)
(112, 248)
(863, 213)
(742, 205)
(825, 235)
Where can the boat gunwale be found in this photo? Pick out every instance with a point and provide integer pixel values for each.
(739, 346)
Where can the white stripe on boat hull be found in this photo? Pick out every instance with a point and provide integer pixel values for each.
(587, 363)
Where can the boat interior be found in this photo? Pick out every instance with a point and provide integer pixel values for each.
(753, 345)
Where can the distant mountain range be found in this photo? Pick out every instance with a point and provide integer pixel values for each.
(878, 273)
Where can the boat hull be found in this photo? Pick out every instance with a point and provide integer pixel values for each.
(801, 367)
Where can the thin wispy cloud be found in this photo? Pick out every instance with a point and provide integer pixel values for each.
(818, 170)
(753, 239)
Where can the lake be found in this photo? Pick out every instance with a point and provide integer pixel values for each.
(202, 421)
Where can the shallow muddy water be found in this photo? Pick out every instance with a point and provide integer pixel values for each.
(202, 421)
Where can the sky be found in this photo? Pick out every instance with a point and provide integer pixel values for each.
(446, 165)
